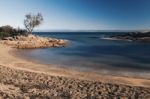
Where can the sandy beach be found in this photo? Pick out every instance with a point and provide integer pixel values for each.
(26, 79)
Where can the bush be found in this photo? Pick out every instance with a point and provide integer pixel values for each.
(8, 31)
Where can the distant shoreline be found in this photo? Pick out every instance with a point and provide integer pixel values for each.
(133, 36)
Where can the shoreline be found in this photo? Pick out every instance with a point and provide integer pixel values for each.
(107, 73)
(22, 79)
(8, 53)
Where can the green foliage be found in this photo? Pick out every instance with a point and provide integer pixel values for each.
(8, 31)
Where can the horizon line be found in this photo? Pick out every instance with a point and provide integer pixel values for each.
(65, 30)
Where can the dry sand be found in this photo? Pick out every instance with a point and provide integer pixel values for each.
(25, 79)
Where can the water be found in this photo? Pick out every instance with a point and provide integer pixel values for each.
(90, 52)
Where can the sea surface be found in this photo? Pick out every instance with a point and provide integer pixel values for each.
(89, 51)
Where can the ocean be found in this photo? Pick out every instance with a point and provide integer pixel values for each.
(91, 52)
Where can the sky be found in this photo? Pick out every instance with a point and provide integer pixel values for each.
(79, 14)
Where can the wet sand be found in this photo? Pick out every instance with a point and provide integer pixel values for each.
(22, 78)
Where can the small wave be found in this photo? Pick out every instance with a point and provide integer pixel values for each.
(108, 38)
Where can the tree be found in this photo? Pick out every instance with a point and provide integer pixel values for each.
(32, 21)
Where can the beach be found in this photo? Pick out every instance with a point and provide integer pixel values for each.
(85, 49)
(23, 78)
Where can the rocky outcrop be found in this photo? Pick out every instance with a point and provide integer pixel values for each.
(33, 41)
(135, 36)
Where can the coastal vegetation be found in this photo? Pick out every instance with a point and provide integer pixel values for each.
(32, 21)
(19, 38)
(8, 31)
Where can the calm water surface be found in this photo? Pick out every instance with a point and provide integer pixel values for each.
(90, 52)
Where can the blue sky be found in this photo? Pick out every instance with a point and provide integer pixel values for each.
(79, 14)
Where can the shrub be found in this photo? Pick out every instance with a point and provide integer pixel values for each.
(8, 31)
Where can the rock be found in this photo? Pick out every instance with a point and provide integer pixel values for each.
(138, 37)
(61, 42)
(8, 38)
(33, 41)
